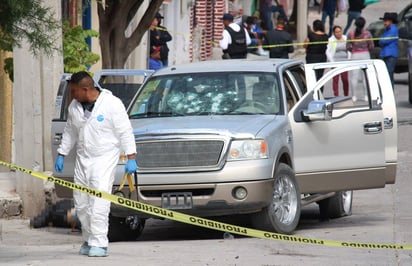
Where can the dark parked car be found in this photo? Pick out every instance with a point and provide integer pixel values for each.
(404, 63)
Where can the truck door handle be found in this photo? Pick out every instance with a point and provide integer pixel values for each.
(372, 127)
(57, 139)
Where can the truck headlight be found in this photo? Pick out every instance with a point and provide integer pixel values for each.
(248, 150)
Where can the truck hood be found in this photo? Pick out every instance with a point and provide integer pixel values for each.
(239, 126)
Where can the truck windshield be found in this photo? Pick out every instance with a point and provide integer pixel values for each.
(233, 93)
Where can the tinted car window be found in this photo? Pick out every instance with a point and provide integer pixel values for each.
(124, 91)
(408, 14)
(123, 86)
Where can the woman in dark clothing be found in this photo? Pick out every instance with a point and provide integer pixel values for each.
(316, 44)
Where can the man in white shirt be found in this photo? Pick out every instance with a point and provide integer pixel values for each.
(235, 39)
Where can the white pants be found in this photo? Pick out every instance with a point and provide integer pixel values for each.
(357, 76)
(93, 212)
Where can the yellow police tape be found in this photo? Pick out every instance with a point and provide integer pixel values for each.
(202, 222)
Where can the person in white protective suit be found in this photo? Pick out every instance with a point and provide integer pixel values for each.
(99, 126)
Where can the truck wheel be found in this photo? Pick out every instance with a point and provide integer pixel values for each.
(410, 86)
(125, 229)
(283, 213)
(337, 206)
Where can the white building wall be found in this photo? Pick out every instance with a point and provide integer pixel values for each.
(36, 80)
(177, 21)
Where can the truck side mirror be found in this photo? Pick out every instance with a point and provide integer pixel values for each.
(318, 110)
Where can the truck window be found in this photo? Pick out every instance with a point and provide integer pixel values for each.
(123, 91)
(63, 99)
(208, 94)
(358, 91)
(124, 86)
(297, 75)
(291, 94)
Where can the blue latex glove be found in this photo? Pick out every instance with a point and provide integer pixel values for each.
(131, 166)
(59, 165)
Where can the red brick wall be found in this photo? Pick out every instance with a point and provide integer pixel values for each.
(220, 9)
(207, 16)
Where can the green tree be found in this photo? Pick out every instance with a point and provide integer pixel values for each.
(76, 51)
(26, 20)
(29, 20)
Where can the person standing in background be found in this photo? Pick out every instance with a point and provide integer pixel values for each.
(315, 45)
(235, 39)
(256, 35)
(359, 44)
(328, 8)
(354, 12)
(336, 51)
(159, 36)
(235, 11)
(155, 63)
(266, 8)
(389, 51)
(154, 34)
(280, 39)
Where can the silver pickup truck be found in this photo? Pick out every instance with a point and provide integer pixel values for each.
(258, 137)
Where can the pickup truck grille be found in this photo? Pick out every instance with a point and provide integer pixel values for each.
(185, 153)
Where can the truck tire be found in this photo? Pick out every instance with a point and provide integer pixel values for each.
(121, 230)
(337, 206)
(283, 213)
